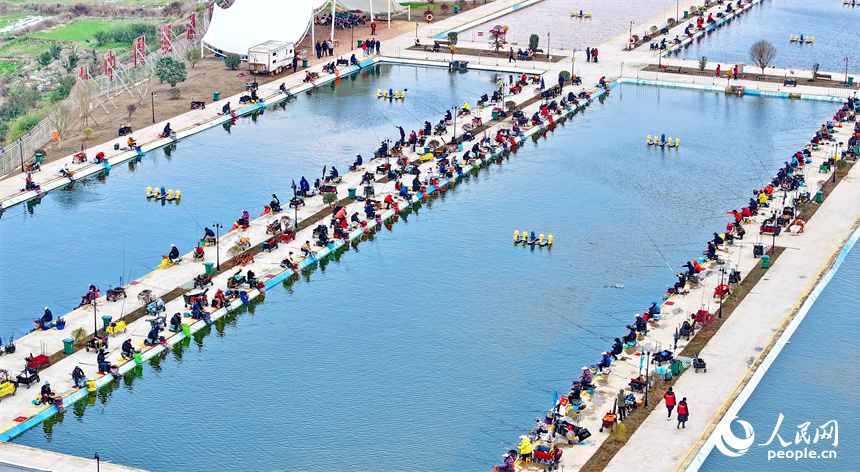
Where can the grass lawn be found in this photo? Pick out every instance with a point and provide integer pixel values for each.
(76, 31)
(9, 67)
(23, 49)
(6, 20)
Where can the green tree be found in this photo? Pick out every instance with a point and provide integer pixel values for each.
(72, 62)
(23, 124)
(102, 37)
(534, 41)
(170, 70)
(45, 58)
(452, 38)
(64, 87)
(232, 62)
(193, 56)
(55, 50)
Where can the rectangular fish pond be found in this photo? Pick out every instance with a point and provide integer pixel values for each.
(430, 347)
(100, 230)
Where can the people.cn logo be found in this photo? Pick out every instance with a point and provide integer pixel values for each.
(731, 445)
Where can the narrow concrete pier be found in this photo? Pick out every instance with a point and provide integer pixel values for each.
(17, 458)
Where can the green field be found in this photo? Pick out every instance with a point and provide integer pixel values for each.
(20, 48)
(9, 67)
(78, 31)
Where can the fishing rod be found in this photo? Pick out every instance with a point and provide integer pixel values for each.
(661, 252)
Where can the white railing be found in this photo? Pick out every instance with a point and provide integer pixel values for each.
(18, 152)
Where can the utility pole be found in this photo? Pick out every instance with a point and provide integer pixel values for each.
(218, 227)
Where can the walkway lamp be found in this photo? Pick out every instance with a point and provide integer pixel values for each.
(217, 227)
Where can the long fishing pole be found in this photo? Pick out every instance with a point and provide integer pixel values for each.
(661, 253)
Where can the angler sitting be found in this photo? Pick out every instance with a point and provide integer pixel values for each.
(606, 361)
(47, 394)
(219, 300)
(166, 132)
(585, 378)
(175, 323)
(100, 158)
(654, 311)
(208, 235)
(46, 319)
(244, 220)
(617, 348)
(64, 171)
(128, 350)
(225, 110)
(641, 324)
(173, 255)
(483, 100)
(152, 338)
(357, 162)
(101, 360)
(630, 337)
(131, 142)
(78, 377)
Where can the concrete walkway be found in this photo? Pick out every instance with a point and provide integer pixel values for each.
(17, 458)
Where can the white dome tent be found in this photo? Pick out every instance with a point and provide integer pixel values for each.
(247, 23)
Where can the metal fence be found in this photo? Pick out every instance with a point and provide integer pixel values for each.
(520, 40)
(17, 153)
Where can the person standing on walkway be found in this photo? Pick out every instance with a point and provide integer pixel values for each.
(587, 54)
(510, 55)
(718, 71)
(331, 47)
(594, 54)
(318, 48)
(735, 72)
(622, 404)
(670, 403)
(295, 62)
(377, 46)
(373, 28)
(683, 413)
(364, 48)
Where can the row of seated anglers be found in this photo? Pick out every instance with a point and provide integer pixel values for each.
(788, 178)
(691, 29)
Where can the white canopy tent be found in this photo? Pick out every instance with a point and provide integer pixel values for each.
(250, 22)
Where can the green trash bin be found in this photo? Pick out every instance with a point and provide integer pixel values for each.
(360, 42)
(426, 149)
(210, 268)
(819, 196)
(850, 81)
(677, 367)
(765, 261)
(686, 14)
(495, 114)
(456, 9)
(69, 346)
(39, 156)
(352, 193)
(304, 63)
(216, 96)
(106, 320)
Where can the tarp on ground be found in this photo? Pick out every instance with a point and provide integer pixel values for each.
(250, 22)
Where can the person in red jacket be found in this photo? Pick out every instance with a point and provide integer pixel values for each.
(683, 413)
(670, 402)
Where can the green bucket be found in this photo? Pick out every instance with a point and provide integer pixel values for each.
(186, 330)
(138, 359)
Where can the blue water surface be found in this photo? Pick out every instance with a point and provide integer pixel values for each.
(814, 380)
(432, 346)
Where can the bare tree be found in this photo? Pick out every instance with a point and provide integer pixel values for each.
(83, 95)
(762, 53)
(62, 119)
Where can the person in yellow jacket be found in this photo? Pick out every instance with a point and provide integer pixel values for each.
(466, 107)
(762, 199)
(525, 449)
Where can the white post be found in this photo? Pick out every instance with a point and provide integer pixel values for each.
(371, 10)
(313, 38)
(389, 27)
(332, 23)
